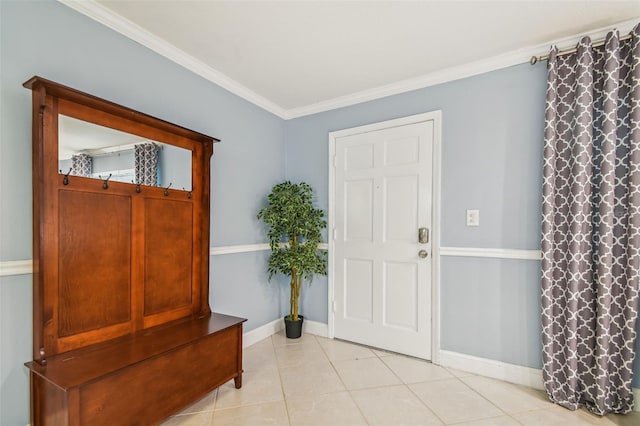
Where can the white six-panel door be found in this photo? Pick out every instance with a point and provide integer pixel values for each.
(383, 190)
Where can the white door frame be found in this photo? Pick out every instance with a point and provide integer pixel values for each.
(436, 117)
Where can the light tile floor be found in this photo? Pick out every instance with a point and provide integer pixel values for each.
(316, 381)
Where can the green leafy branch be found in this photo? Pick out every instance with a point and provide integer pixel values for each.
(294, 221)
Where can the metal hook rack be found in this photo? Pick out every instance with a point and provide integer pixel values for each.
(188, 193)
(65, 179)
(105, 182)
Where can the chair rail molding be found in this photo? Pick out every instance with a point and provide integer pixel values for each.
(16, 267)
(246, 248)
(497, 253)
(24, 267)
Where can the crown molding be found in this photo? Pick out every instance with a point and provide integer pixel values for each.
(421, 82)
(105, 16)
(110, 19)
(493, 63)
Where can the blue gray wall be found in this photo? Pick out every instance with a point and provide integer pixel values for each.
(114, 161)
(492, 135)
(174, 167)
(491, 161)
(55, 42)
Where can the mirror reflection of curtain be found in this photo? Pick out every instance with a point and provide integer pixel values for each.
(81, 165)
(146, 163)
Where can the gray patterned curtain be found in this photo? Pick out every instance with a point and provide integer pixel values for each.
(81, 165)
(146, 163)
(591, 225)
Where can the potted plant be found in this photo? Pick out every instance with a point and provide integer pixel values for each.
(294, 234)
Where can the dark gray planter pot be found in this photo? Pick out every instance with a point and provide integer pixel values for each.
(293, 329)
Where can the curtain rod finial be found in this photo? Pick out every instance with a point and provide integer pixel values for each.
(533, 60)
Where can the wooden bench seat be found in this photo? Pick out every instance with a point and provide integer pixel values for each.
(141, 378)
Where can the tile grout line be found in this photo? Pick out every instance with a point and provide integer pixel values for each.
(484, 397)
(215, 399)
(510, 415)
(284, 395)
(250, 404)
(343, 384)
(428, 381)
(402, 383)
(468, 381)
(349, 391)
(406, 385)
(425, 404)
(191, 413)
(464, 422)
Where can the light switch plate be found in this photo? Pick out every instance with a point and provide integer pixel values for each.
(473, 217)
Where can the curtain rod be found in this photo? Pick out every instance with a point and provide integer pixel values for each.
(535, 59)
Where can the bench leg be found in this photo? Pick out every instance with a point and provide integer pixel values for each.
(238, 380)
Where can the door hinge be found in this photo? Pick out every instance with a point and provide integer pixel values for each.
(335, 234)
(333, 306)
(334, 161)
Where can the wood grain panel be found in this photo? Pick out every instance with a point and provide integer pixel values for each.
(142, 399)
(94, 276)
(168, 229)
(49, 403)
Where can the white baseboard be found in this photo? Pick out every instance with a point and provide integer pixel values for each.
(254, 336)
(316, 328)
(257, 334)
(511, 373)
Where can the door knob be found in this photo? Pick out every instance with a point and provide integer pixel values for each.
(422, 254)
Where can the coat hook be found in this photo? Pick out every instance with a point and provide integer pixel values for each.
(166, 190)
(65, 179)
(105, 183)
(137, 187)
(188, 193)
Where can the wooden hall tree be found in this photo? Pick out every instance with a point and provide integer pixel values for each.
(122, 328)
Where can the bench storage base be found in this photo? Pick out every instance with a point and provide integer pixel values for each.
(141, 379)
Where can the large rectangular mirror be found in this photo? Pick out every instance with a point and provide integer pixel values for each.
(93, 151)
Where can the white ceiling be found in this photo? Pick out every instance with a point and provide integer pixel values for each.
(295, 58)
